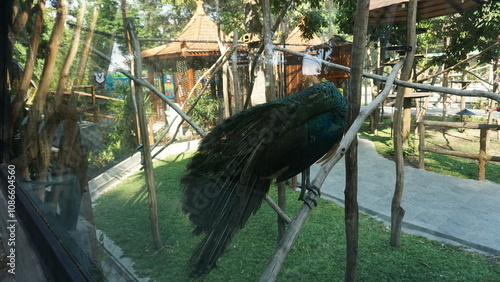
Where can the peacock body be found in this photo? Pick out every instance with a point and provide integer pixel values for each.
(230, 174)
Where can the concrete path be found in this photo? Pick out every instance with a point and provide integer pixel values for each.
(445, 208)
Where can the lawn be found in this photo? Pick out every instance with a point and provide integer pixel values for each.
(318, 255)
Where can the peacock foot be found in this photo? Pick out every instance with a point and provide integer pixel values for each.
(308, 200)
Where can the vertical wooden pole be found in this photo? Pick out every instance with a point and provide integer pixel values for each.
(397, 212)
(238, 98)
(482, 154)
(282, 205)
(94, 106)
(143, 127)
(268, 52)
(351, 157)
(132, 82)
(421, 145)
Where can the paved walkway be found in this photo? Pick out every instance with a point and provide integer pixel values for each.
(445, 208)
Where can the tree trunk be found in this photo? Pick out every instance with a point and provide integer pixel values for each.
(70, 57)
(36, 31)
(38, 145)
(86, 48)
(22, 19)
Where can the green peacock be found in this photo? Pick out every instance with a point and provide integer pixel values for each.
(230, 174)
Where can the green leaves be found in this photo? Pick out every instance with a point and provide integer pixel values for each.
(312, 21)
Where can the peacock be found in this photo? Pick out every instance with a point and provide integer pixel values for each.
(228, 177)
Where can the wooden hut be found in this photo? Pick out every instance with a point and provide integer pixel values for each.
(300, 72)
(187, 57)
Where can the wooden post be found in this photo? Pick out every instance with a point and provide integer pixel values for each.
(397, 212)
(351, 158)
(421, 145)
(482, 154)
(282, 205)
(268, 52)
(225, 90)
(143, 127)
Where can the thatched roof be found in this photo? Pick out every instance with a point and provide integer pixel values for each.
(297, 43)
(198, 38)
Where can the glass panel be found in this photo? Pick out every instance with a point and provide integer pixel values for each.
(95, 99)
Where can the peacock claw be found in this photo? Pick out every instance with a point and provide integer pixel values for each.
(309, 200)
(302, 193)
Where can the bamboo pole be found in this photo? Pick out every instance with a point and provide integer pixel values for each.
(275, 264)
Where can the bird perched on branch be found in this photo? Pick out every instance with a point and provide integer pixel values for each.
(230, 174)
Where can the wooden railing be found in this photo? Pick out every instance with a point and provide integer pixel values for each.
(482, 156)
(94, 110)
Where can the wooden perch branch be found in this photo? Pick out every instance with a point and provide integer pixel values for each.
(278, 210)
(274, 266)
(430, 88)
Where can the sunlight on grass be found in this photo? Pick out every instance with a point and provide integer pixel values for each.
(318, 255)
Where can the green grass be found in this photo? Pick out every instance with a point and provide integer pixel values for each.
(318, 255)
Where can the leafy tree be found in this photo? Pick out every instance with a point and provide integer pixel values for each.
(476, 30)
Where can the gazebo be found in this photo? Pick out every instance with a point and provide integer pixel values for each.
(187, 57)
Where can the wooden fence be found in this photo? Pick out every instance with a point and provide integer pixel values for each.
(94, 110)
(482, 156)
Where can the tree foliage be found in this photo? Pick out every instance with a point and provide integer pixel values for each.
(476, 30)
(473, 31)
